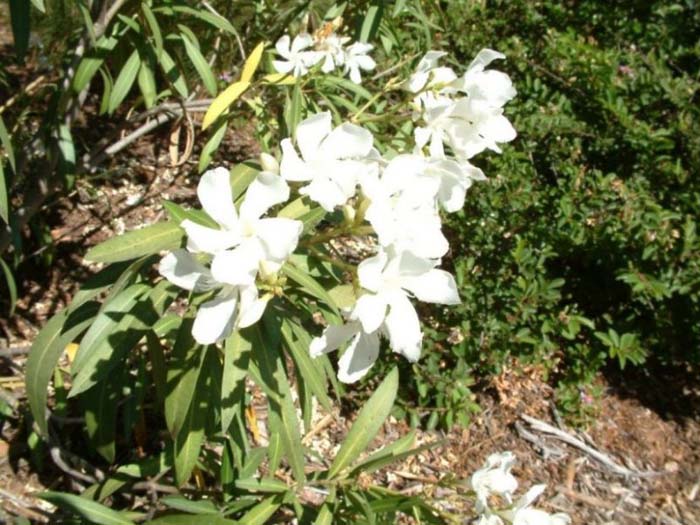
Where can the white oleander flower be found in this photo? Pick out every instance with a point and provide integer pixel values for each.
(522, 512)
(490, 87)
(386, 310)
(435, 81)
(298, 58)
(233, 306)
(402, 210)
(444, 180)
(356, 59)
(332, 160)
(332, 50)
(494, 478)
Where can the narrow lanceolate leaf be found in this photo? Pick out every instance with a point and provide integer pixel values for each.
(147, 83)
(252, 62)
(236, 359)
(45, 352)
(4, 201)
(124, 81)
(274, 381)
(11, 285)
(368, 422)
(389, 454)
(101, 415)
(279, 79)
(190, 437)
(223, 102)
(137, 243)
(153, 27)
(200, 64)
(259, 514)
(99, 360)
(92, 62)
(106, 321)
(173, 74)
(182, 377)
(39, 4)
(242, 174)
(298, 341)
(20, 21)
(204, 506)
(6, 142)
(211, 146)
(190, 519)
(310, 285)
(90, 510)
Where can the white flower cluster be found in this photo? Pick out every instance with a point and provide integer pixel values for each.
(495, 481)
(329, 49)
(400, 197)
(243, 245)
(405, 194)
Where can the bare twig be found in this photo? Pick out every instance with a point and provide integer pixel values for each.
(567, 438)
(57, 457)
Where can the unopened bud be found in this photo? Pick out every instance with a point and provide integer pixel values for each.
(349, 214)
(269, 163)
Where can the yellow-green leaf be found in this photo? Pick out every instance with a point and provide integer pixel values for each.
(223, 102)
(280, 79)
(251, 64)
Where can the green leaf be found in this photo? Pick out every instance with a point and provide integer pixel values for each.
(236, 359)
(4, 201)
(94, 362)
(293, 110)
(6, 142)
(124, 81)
(45, 352)
(187, 505)
(259, 514)
(39, 4)
(20, 20)
(147, 83)
(370, 25)
(178, 214)
(101, 414)
(298, 341)
(173, 74)
(90, 510)
(189, 519)
(182, 377)
(242, 174)
(211, 146)
(137, 243)
(200, 64)
(190, 436)
(396, 451)
(11, 285)
(310, 285)
(153, 26)
(211, 18)
(268, 485)
(273, 380)
(99, 283)
(91, 63)
(368, 422)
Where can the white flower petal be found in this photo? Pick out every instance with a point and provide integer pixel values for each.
(301, 42)
(484, 58)
(182, 269)
(263, 193)
(238, 266)
(370, 310)
(204, 239)
(403, 326)
(283, 46)
(310, 132)
(252, 307)
(434, 286)
(347, 141)
(333, 337)
(325, 191)
(279, 237)
(359, 357)
(370, 270)
(214, 192)
(215, 318)
(292, 168)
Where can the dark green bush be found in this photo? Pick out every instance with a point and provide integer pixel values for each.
(581, 251)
